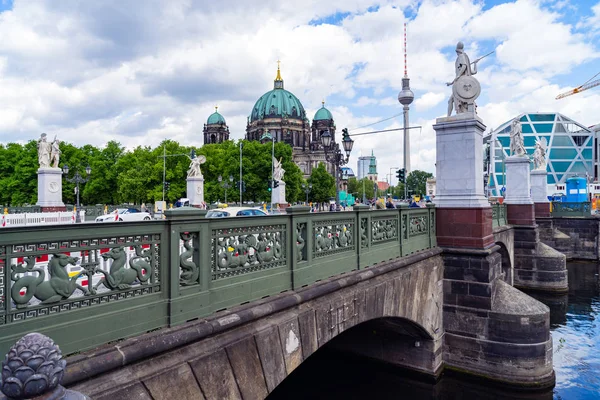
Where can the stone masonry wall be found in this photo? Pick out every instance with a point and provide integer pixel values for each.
(250, 359)
(576, 238)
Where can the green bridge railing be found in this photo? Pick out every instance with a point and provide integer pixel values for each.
(499, 215)
(568, 209)
(85, 285)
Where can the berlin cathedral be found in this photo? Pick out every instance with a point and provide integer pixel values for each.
(281, 114)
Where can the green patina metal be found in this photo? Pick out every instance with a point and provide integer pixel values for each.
(499, 215)
(147, 275)
(569, 209)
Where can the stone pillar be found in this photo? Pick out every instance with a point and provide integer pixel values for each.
(195, 191)
(537, 266)
(539, 192)
(487, 322)
(464, 215)
(278, 194)
(519, 206)
(50, 190)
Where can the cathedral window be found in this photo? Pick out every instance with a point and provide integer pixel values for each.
(273, 110)
(294, 112)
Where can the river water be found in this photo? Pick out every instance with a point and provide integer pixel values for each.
(576, 337)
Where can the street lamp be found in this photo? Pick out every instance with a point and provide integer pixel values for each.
(334, 155)
(226, 185)
(307, 190)
(77, 179)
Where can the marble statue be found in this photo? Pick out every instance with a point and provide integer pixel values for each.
(539, 154)
(44, 151)
(517, 147)
(278, 170)
(465, 88)
(55, 153)
(194, 169)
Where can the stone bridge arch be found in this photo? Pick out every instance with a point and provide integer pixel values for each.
(262, 347)
(504, 237)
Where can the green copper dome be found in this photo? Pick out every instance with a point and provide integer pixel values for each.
(215, 118)
(278, 103)
(322, 114)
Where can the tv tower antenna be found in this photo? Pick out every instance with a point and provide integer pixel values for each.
(406, 97)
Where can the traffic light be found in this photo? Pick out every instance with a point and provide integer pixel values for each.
(167, 186)
(401, 174)
(270, 185)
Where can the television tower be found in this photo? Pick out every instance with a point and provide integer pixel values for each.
(405, 97)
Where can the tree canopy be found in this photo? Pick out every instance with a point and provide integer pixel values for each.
(323, 184)
(135, 176)
(416, 182)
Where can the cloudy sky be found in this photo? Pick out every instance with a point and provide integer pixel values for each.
(139, 71)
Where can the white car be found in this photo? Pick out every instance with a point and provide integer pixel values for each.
(235, 212)
(125, 214)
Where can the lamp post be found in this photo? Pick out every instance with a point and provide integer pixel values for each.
(77, 179)
(334, 155)
(307, 189)
(241, 181)
(225, 184)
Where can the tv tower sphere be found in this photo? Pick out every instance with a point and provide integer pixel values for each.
(406, 96)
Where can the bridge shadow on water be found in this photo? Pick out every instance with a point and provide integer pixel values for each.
(338, 370)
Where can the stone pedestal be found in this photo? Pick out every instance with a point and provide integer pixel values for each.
(278, 194)
(539, 192)
(50, 189)
(479, 307)
(195, 190)
(464, 216)
(537, 266)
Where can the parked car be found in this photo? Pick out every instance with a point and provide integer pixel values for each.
(125, 214)
(235, 212)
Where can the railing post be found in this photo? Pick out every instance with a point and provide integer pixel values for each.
(432, 234)
(362, 236)
(301, 241)
(404, 209)
(186, 219)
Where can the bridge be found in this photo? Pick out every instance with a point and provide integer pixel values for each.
(228, 308)
(190, 307)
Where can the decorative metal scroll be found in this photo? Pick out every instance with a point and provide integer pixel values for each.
(418, 225)
(364, 234)
(189, 270)
(237, 251)
(384, 229)
(333, 237)
(301, 241)
(51, 277)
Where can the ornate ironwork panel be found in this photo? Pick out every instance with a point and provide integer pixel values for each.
(384, 229)
(364, 233)
(418, 225)
(301, 241)
(237, 251)
(333, 237)
(57, 276)
(189, 270)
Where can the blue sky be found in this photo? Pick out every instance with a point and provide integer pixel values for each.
(97, 71)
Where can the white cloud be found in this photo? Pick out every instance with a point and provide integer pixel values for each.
(429, 100)
(97, 71)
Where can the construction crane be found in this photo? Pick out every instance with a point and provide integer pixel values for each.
(588, 85)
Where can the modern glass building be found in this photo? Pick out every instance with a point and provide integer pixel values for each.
(572, 150)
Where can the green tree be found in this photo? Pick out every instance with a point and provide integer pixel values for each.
(323, 184)
(416, 181)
